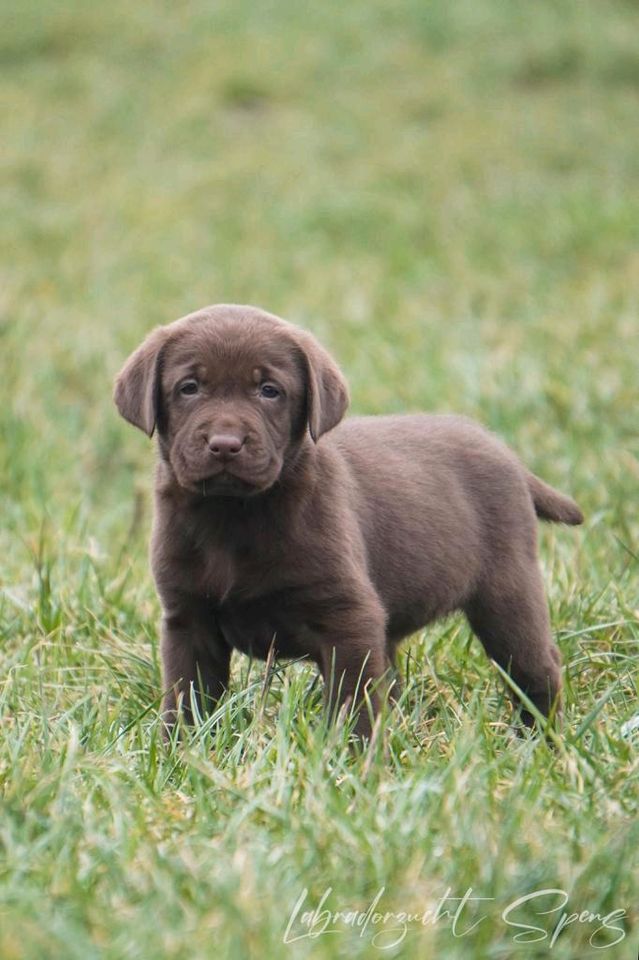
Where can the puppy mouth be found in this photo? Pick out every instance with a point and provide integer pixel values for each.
(231, 478)
(223, 483)
(228, 483)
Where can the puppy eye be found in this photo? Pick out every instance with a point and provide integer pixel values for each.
(188, 388)
(269, 391)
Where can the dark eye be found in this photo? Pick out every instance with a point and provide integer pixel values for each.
(189, 387)
(269, 391)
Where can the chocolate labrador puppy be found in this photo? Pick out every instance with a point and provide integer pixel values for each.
(280, 530)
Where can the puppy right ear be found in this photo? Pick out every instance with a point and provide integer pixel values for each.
(326, 389)
(137, 386)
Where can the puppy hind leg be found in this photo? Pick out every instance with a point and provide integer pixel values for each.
(514, 628)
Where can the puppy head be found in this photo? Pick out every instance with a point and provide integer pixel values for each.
(231, 391)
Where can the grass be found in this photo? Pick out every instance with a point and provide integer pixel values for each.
(447, 195)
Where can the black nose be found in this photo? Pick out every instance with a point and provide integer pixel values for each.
(224, 446)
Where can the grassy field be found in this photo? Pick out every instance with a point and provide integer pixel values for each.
(447, 194)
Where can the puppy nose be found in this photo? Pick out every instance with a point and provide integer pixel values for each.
(224, 446)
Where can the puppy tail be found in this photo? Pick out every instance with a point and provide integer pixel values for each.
(552, 505)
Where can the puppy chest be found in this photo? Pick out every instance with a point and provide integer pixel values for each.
(254, 628)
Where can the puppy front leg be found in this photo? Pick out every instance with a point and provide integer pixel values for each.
(355, 667)
(195, 664)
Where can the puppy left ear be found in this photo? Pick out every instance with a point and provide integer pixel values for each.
(326, 390)
(137, 386)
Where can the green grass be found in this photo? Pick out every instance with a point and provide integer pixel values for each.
(447, 194)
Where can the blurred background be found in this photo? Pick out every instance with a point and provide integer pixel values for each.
(446, 194)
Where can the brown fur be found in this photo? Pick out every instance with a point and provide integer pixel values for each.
(277, 526)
